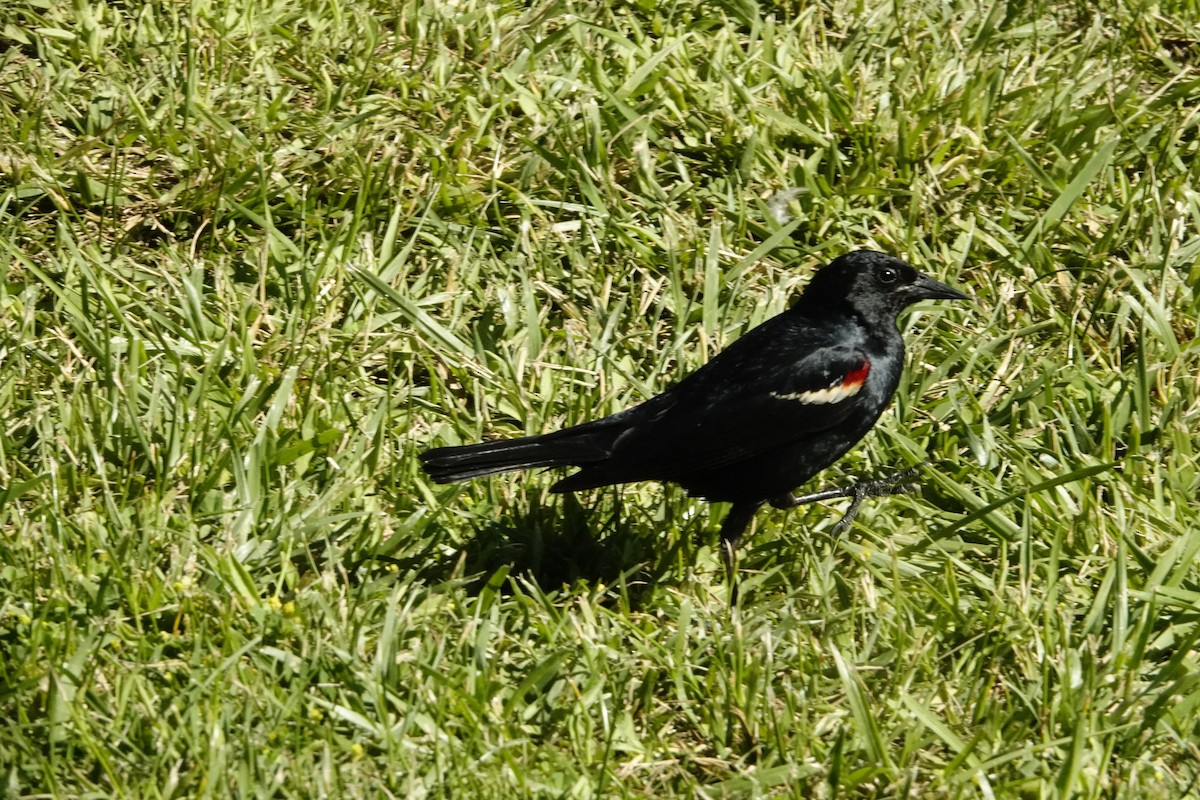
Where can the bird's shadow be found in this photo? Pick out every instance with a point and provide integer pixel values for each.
(559, 543)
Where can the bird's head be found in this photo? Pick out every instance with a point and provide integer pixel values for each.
(875, 285)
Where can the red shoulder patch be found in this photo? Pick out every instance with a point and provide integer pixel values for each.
(840, 389)
(857, 377)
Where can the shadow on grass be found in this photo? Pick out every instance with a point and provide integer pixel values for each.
(560, 543)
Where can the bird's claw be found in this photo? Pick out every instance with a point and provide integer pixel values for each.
(878, 487)
(891, 485)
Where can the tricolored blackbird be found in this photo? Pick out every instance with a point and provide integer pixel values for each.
(769, 412)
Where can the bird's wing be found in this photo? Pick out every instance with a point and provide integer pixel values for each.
(743, 412)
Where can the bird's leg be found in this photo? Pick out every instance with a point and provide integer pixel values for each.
(732, 529)
(860, 491)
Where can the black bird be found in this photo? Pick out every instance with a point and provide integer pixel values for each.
(765, 415)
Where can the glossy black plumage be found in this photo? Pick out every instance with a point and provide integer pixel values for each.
(781, 403)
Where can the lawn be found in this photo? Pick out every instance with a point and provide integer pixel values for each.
(259, 255)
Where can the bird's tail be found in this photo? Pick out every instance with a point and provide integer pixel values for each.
(558, 449)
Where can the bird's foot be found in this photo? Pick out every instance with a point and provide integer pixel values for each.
(880, 487)
(729, 558)
(732, 529)
(859, 491)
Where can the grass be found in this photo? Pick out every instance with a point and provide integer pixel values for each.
(259, 255)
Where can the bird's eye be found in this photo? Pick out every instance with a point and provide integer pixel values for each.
(888, 276)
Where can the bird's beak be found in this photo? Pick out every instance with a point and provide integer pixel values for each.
(926, 288)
